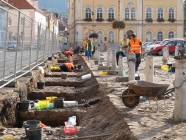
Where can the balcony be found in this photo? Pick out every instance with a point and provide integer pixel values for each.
(88, 19)
(160, 20)
(171, 20)
(99, 19)
(149, 20)
(110, 19)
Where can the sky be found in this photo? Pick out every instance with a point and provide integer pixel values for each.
(57, 5)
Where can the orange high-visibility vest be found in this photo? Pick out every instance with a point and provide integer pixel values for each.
(135, 46)
(69, 66)
(70, 51)
(70, 59)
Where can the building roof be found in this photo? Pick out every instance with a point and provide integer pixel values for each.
(24, 4)
(21, 4)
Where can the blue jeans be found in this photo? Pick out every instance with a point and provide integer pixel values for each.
(119, 53)
(138, 60)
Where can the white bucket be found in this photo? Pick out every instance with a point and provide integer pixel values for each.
(70, 103)
(87, 76)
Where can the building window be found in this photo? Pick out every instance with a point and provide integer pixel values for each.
(160, 13)
(160, 36)
(171, 34)
(132, 13)
(171, 13)
(126, 13)
(148, 13)
(100, 36)
(149, 36)
(111, 13)
(99, 13)
(88, 13)
(111, 36)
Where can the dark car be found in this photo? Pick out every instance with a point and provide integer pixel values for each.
(171, 46)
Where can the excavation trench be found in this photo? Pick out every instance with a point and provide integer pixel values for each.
(96, 114)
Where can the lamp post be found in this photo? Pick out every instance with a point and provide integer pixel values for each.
(142, 24)
(118, 19)
(93, 21)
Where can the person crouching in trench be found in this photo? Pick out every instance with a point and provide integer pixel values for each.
(69, 67)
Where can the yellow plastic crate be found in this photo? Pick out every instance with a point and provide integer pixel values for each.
(103, 73)
(165, 67)
(42, 104)
(51, 98)
(55, 68)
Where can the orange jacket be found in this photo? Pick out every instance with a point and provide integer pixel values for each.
(135, 46)
(70, 66)
(70, 51)
(70, 59)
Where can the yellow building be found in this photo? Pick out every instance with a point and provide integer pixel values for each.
(160, 19)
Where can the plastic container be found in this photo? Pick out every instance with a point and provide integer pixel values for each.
(64, 76)
(49, 58)
(71, 121)
(33, 130)
(58, 102)
(51, 98)
(50, 106)
(42, 104)
(24, 106)
(165, 67)
(31, 123)
(8, 137)
(103, 73)
(54, 68)
(70, 130)
(70, 103)
(34, 133)
(87, 76)
(40, 85)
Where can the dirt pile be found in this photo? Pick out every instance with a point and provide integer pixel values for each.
(103, 119)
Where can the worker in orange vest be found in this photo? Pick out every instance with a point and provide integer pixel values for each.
(70, 51)
(135, 46)
(70, 58)
(67, 67)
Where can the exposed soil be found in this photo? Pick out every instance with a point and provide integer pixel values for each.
(102, 115)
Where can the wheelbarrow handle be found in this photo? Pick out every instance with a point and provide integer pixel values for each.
(169, 91)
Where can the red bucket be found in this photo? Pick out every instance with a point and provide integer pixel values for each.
(70, 130)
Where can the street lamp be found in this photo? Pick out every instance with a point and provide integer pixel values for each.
(142, 23)
(118, 19)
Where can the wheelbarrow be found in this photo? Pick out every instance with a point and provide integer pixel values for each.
(131, 96)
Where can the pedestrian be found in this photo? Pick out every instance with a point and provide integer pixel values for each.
(68, 51)
(69, 57)
(89, 49)
(123, 49)
(135, 46)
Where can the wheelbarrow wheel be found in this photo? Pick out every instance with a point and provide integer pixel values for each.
(131, 101)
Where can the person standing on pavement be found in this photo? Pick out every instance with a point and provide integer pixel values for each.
(123, 49)
(135, 46)
(89, 49)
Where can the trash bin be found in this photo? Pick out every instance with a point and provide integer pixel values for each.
(24, 105)
(33, 130)
(34, 133)
(58, 102)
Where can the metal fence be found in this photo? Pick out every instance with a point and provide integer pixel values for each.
(24, 43)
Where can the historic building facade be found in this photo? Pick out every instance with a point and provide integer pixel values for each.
(148, 19)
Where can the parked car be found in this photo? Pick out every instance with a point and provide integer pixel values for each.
(11, 46)
(171, 44)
